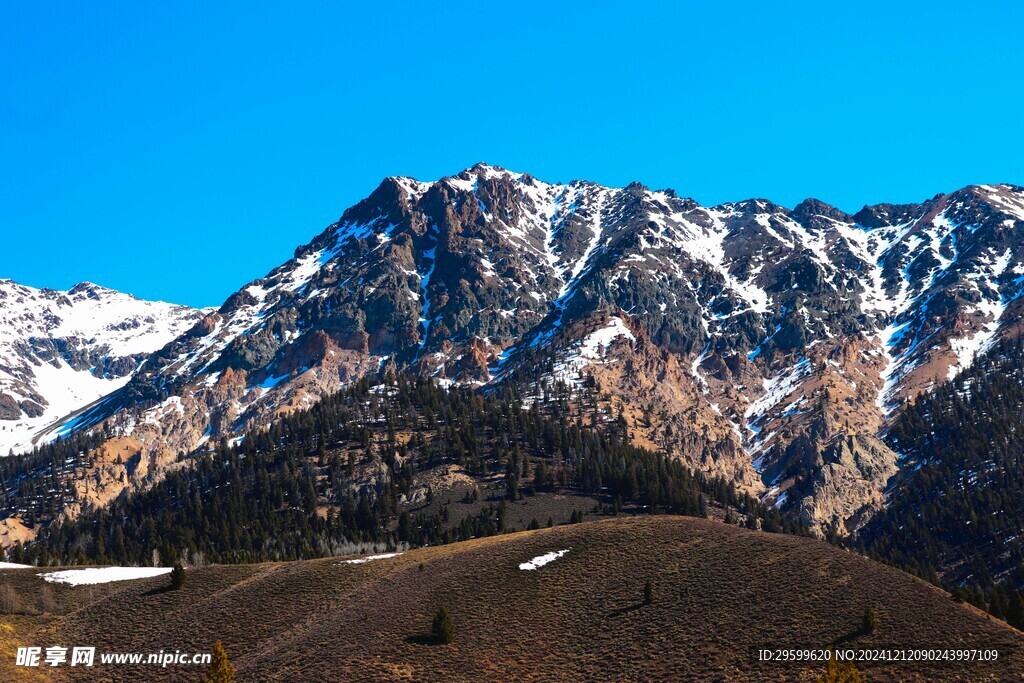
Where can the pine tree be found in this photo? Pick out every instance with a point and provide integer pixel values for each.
(443, 628)
(648, 593)
(512, 478)
(221, 669)
(868, 622)
(177, 577)
(841, 672)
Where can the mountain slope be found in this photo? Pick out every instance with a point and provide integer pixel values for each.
(955, 514)
(719, 593)
(60, 351)
(766, 344)
(401, 462)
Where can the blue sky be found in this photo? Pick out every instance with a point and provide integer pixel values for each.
(179, 150)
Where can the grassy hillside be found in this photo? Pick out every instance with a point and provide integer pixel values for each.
(719, 591)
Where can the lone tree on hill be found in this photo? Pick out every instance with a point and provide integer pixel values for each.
(868, 622)
(221, 669)
(177, 577)
(443, 628)
(648, 593)
(841, 672)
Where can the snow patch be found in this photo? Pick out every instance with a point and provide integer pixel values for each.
(371, 558)
(93, 575)
(541, 560)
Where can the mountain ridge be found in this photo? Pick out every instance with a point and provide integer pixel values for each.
(780, 341)
(61, 350)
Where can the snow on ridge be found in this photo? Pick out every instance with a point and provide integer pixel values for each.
(86, 318)
(580, 266)
(709, 246)
(425, 318)
(94, 313)
(371, 558)
(590, 350)
(541, 560)
(571, 360)
(968, 348)
(96, 575)
(1004, 199)
(934, 234)
(414, 188)
(777, 390)
(601, 339)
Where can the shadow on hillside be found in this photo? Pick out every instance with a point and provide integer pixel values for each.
(626, 610)
(159, 590)
(851, 636)
(423, 639)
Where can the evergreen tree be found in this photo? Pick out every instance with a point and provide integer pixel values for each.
(841, 672)
(221, 669)
(512, 478)
(868, 621)
(955, 518)
(177, 577)
(648, 593)
(443, 628)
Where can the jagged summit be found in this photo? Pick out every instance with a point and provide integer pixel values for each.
(765, 344)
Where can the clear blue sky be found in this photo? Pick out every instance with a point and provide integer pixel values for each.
(178, 150)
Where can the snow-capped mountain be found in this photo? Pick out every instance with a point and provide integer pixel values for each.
(61, 351)
(765, 344)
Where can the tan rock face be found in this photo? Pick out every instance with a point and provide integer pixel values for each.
(812, 432)
(13, 530)
(665, 410)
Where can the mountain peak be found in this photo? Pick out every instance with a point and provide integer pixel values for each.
(92, 289)
(815, 207)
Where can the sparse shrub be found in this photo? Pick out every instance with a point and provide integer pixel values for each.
(177, 577)
(443, 628)
(648, 593)
(422, 566)
(841, 672)
(868, 622)
(221, 669)
(47, 601)
(9, 603)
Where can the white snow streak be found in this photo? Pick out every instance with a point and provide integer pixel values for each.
(93, 575)
(541, 560)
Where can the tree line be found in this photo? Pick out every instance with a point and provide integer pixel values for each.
(336, 478)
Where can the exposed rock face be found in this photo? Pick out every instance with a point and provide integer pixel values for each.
(764, 344)
(60, 351)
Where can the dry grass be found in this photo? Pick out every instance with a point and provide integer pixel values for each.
(719, 591)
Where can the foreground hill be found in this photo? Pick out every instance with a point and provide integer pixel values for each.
(719, 591)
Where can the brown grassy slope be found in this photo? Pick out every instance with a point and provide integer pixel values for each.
(719, 591)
